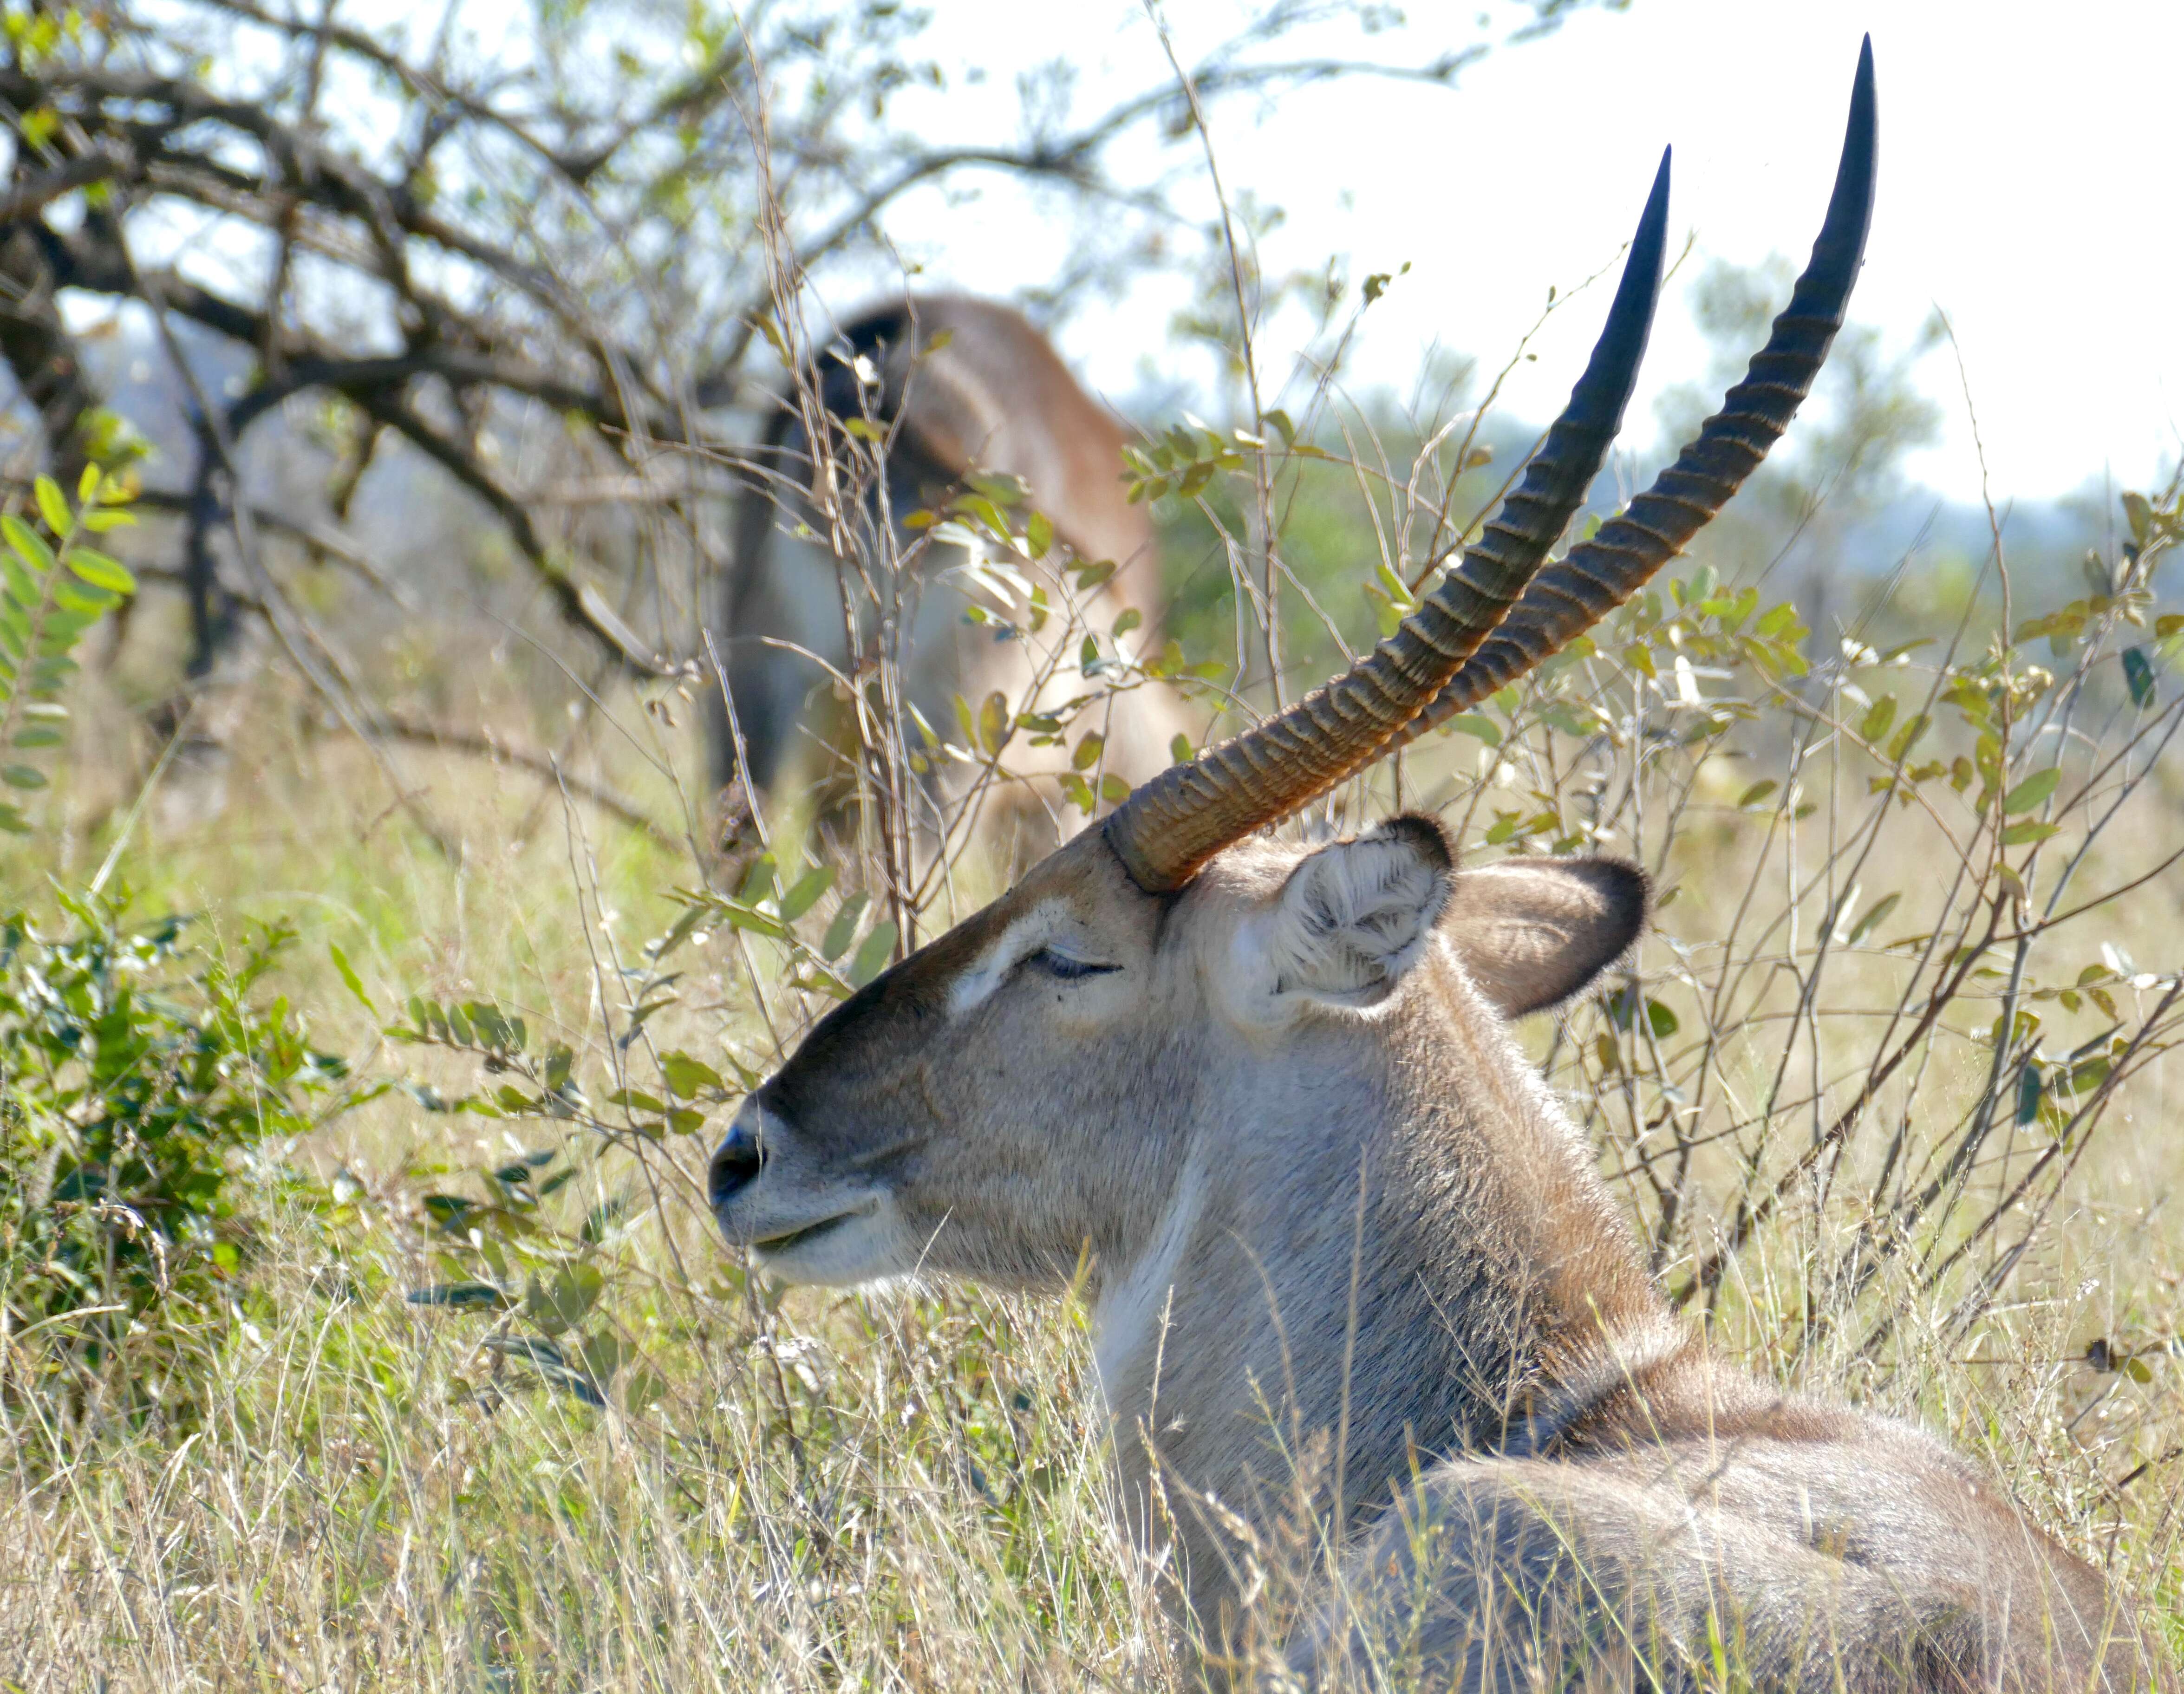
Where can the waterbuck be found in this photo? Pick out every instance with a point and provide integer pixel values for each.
(1261, 1105)
(963, 386)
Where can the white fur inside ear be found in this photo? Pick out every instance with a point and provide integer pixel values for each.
(1356, 915)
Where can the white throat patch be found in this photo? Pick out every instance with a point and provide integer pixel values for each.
(1128, 1316)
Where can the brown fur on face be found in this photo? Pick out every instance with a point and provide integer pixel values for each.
(1280, 1116)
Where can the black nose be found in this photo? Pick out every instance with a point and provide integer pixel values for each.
(734, 1165)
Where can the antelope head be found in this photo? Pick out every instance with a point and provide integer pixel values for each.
(1166, 1008)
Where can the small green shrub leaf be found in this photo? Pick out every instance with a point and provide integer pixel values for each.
(350, 980)
(463, 1296)
(1874, 916)
(689, 1078)
(100, 571)
(995, 726)
(804, 894)
(843, 928)
(53, 505)
(561, 1303)
(2138, 676)
(2033, 791)
(872, 957)
(26, 544)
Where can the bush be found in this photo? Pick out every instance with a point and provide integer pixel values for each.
(143, 1093)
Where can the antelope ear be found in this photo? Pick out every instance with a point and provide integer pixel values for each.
(1356, 915)
(1533, 933)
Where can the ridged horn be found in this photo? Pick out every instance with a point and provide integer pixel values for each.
(1597, 576)
(1172, 825)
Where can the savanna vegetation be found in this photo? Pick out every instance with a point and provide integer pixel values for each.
(377, 961)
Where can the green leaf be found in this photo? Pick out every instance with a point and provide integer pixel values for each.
(742, 916)
(806, 894)
(1087, 752)
(2138, 674)
(463, 1296)
(21, 777)
(1874, 914)
(1039, 535)
(602, 1355)
(2030, 830)
(562, 1303)
(26, 543)
(688, 1076)
(1480, 728)
(100, 571)
(1178, 751)
(1753, 795)
(600, 1220)
(88, 604)
(1908, 737)
(644, 1390)
(2033, 791)
(53, 505)
(995, 726)
(1126, 621)
(843, 929)
(350, 979)
(872, 957)
(1878, 716)
(546, 1358)
(449, 1210)
(758, 880)
(1113, 789)
(22, 588)
(2028, 1093)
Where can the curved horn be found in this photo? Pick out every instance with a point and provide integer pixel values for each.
(1178, 820)
(1597, 576)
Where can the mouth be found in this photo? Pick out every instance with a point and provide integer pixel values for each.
(775, 1245)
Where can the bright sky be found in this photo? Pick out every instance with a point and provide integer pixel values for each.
(2026, 188)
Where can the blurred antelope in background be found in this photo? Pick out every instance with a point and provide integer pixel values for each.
(1260, 1105)
(962, 390)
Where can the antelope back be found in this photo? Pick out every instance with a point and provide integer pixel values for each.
(966, 386)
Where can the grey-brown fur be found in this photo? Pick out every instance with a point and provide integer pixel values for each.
(967, 386)
(1292, 1137)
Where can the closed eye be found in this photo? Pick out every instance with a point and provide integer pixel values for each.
(1068, 969)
